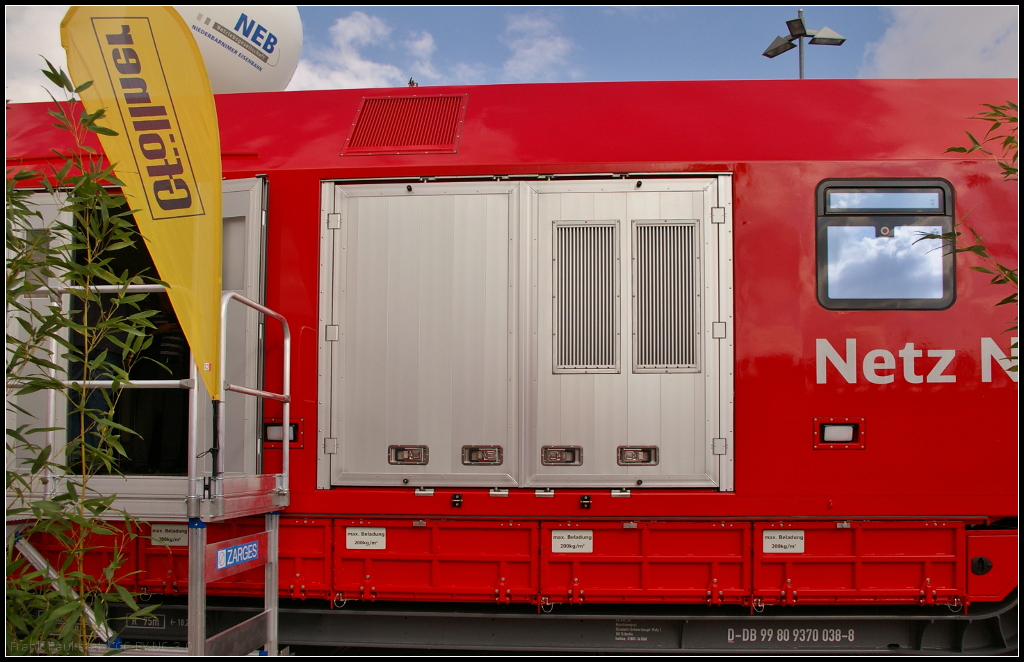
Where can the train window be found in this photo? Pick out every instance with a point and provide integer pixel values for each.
(157, 417)
(845, 201)
(877, 245)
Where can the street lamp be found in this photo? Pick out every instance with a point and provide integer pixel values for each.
(797, 31)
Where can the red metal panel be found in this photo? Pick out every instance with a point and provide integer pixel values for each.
(305, 546)
(999, 547)
(855, 562)
(162, 569)
(439, 560)
(917, 464)
(304, 554)
(692, 562)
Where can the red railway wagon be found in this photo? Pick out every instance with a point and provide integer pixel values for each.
(645, 350)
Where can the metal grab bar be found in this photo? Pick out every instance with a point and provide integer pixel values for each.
(112, 289)
(138, 383)
(284, 398)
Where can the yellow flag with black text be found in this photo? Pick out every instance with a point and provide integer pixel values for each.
(149, 75)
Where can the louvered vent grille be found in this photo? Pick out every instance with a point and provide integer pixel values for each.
(666, 288)
(586, 302)
(407, 125)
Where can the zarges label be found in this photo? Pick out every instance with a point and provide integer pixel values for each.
(572, 542)
(243, 553)
(789, 541)
(366, 537)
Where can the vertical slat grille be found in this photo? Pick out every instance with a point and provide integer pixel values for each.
(666, 288)
(407, 125)
(585, 297)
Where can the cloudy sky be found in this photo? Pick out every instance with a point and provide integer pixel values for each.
(385, 46)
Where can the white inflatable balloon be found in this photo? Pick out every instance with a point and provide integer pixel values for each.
(250, 48)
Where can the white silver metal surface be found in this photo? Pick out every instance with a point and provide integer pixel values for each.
(242, 639)
(670, 396)
(272, 522)
(421, 287)
(243, 273)
(417, 290)
(197, 588)
(138, 383)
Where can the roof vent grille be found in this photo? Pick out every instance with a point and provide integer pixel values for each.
(407, 125)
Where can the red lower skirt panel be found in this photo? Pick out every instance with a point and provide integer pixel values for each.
(860, 562)
(748, 563)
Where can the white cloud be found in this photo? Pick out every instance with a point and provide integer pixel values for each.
(469, 74)
(342, 65)
(538, 50)
(28, 33)
(946, 42)
(421, 47)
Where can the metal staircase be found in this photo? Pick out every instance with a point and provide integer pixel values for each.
(210, 494)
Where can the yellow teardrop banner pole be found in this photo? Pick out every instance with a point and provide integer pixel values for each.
(148, 74)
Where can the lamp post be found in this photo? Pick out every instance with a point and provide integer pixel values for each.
(797, 31)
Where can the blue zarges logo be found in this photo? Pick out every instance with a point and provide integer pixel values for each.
(230, 556)
(136, 71)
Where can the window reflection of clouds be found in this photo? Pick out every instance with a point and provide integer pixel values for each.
(863, 266)
(929, 200)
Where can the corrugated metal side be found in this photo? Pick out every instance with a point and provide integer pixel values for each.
(667, 321)
(407, 124)
(585, 308)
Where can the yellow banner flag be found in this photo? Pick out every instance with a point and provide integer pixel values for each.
(148, 74)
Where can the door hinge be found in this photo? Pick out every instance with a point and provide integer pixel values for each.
(718, 330)
(718, 214)
(330, 445)
(719, 446)
(331, 332)
(333, 221)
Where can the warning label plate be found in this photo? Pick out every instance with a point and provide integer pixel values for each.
(788, 541)
(172, 535)
(366, 537)
(572, 542)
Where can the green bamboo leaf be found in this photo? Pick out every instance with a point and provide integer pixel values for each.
(102, 130)
(126, 597)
